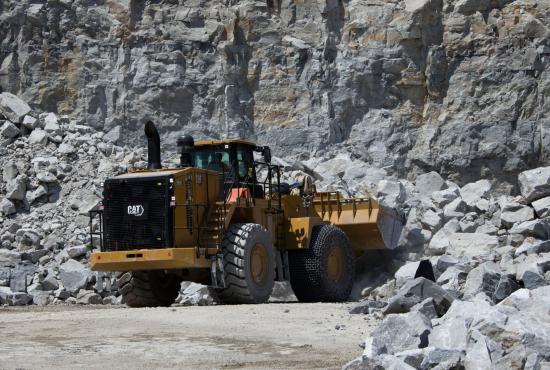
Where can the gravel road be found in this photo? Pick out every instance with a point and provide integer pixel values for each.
(304, 336)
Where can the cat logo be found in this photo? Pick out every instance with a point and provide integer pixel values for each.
(136, 210)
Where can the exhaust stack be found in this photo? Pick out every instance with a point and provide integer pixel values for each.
(153, 146)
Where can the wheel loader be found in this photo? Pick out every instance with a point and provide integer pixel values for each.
(225, 219)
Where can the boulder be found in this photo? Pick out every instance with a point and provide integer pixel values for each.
(13, 108)
(195, 294)
(472, 193)
(9, 130)
(535, 184)
(77, 251)
(391, 193)
(443, 197)
(88, 297)
(432, 220)
(17, 188)
(427, 308)
(282, 292)
(455, 209)
(533, 246)
(7, 207)
(533, 280)
(542, 207)
(416, 291)
(488, 278)
(73, 275)
(38, 136)
(401, 332)
(429, 183)
(50, 283)
(113, 136)
(472, 245)
(367, 306)
(516, 213)
(29, 122)
(539, 228)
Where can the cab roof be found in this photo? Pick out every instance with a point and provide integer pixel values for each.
(221, 142)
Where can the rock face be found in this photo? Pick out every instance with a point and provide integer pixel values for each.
(408, 86)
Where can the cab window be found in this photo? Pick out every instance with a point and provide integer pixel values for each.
(245, 161)
(215, 159)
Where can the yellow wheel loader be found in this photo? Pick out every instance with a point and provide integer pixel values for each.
(217, 220)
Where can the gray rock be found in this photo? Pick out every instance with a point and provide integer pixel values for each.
(195, 294)
(405, 273)
(472, 245)
(46, 177)
(416, 291)
(88, 297)
(73, 275)
(444, 197)
(533, 280)
(77, 251)
(50, 283)
(65, 148)
(402, 332)
(429, 183)
(391, 193)
(535, 184)
(535, 228)
(367, 307)
(7, 207)
(19, 299)
(12, 107)
(113, 136)
(488, 278)
(432, 220)
(30, 122)
(382, 361)
(455, 209)
(16, 189)
(282, 292)
(516, 213)
(474, 192)
(9, 130)
(9, 257)
(427, 308)
(38, 136)
(533, 246)
(542, 207)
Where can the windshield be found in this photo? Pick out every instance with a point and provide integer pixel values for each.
(215, 159)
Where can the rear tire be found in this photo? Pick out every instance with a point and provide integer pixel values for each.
(148, 288)
(249, 264)
(324, 272)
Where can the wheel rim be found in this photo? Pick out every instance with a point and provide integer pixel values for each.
(259, 263)
(336, 264)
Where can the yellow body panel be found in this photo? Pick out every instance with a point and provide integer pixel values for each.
(298, 234)
(148, 259)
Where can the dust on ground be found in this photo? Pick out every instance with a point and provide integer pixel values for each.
(297, 335)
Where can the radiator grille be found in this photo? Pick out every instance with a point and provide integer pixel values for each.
(137, 213)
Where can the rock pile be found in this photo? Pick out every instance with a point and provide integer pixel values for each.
(485, 302)
(51, 174)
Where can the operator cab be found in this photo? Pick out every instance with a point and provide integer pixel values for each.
(234, 159)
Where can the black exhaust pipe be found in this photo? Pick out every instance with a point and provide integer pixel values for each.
(153, 146)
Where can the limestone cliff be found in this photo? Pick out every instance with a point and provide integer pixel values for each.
(457, 86)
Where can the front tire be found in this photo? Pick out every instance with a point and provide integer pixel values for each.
(148, 288)
(249, 264)
(324, 272)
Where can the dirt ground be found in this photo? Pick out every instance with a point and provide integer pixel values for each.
(289, 335)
